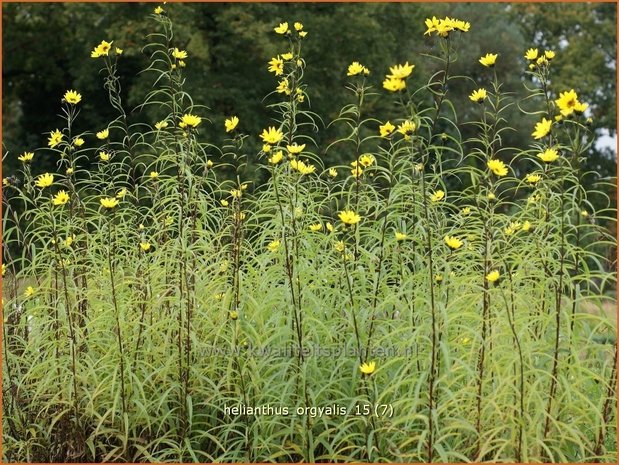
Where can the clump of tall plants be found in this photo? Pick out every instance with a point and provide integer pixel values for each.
(422, 302)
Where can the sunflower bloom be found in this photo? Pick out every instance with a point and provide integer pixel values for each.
(274, 246)
(479, 95)
(276, 66)
(315, 227)
(276, 157)
(531, 54)
(400, 71)
(368, 368)
(101, 50)
(45, 180)
(356, 68)
(295, 149)
(72, 97)
(532, 178)
(161, 124)
(394, 84)
(400, 236)
(179, 54)
(497, 167)
(493, 276)
(548, 155)
(231, 123)
(349, 217)
(55, 137)
(60, 198)
(489, 59)
(103, 134)
(437, 196)
(453, 242)
(272, 135)
(386, 129)
(189, 120)
(108, 202)
(26, 157)
(145, 246)
(282, 28)
(542, 129)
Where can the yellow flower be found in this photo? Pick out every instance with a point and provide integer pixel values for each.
(55, 137)
(274, 246)
(45, 180)
(104, 156)
(108, 202)
(567, 102)
(302, 33)
(29, 292)
(26, 157)
(356, 171)
(158, 10)
(119, 51)
(287, 56)
(332, 172)
(437, 196)
(224, 203)
(407, 128)
(368, 368)
(298, 26)
(231, 123)
(349, 217)
(60, 198)
(367, 159)
(541, 61)
(235, 193)
(400, 236)
(301, 167)
(179, 54)
(189, 120)
(489, 59)
(542, 128)
(394, 84)
(145, 246)
(103, 134)
(69, 171)
(330, 227)
(282, 28)
(493, 276)
(453, 242)
(400, 71)
(315, 227)
(497, 167)
(584, 213)
(182, 64)
(102, 49)
(295, 149)
(276, 65)
(154, 174)
(438, 278)
(282, 87)
(580, 108)
(121, 193)
(549, 54)
(532, 178)
(479, 95)
(491, 196)
(276, 157)
(531, 54)
(513, 227)
(386, 129)
(78, 141)
(356, 68)
(3, 269)
(161, 124)
(266, 148)
(272, 135)
(234, 315)
(72, 97)
(466, 211)
(526, 226)
(548, 155)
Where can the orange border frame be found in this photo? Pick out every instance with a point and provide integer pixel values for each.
(285, 1)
